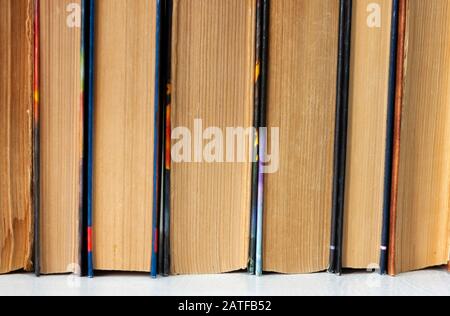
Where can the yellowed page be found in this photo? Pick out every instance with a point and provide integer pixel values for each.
(424, 186)
(301, 102)
(15, 134)
(370, 62)
(123, 134)
(61, 137)
(213, 56)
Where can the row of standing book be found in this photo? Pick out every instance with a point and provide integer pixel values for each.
(350, 98)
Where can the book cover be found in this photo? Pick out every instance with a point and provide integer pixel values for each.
(389, 138)
(340, 152)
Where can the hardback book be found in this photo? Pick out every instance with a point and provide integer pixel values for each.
(367, 186)
(420, 198)
(16, 113)
(59, 148)
(301, 102)
(122, 73)
(212, 88)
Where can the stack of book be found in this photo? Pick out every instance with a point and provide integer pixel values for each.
(208, 136)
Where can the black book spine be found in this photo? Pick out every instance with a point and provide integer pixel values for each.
(340, 150)
(256, 125)
(90, 39)
(262, 137)
(389, 139)
(157, 163)
(166, 134)
(82, 216)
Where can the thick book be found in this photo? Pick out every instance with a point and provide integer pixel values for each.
(122, 116)
(370, 111)
(60, 142)
(301, 102)
(420, 198)
(212, 86)
(16, 113)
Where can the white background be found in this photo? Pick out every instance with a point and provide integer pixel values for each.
(429, 282)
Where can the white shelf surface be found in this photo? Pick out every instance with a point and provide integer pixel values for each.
(429, 282)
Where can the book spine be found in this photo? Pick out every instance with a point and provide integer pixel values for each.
(82, 162)
(90, 137)
(397, 133)
(255, 154)
(262, 136)
(157, 146)
(340, 151)
(163, 142)
(36, 141)
(167, 134)
(389, 139)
